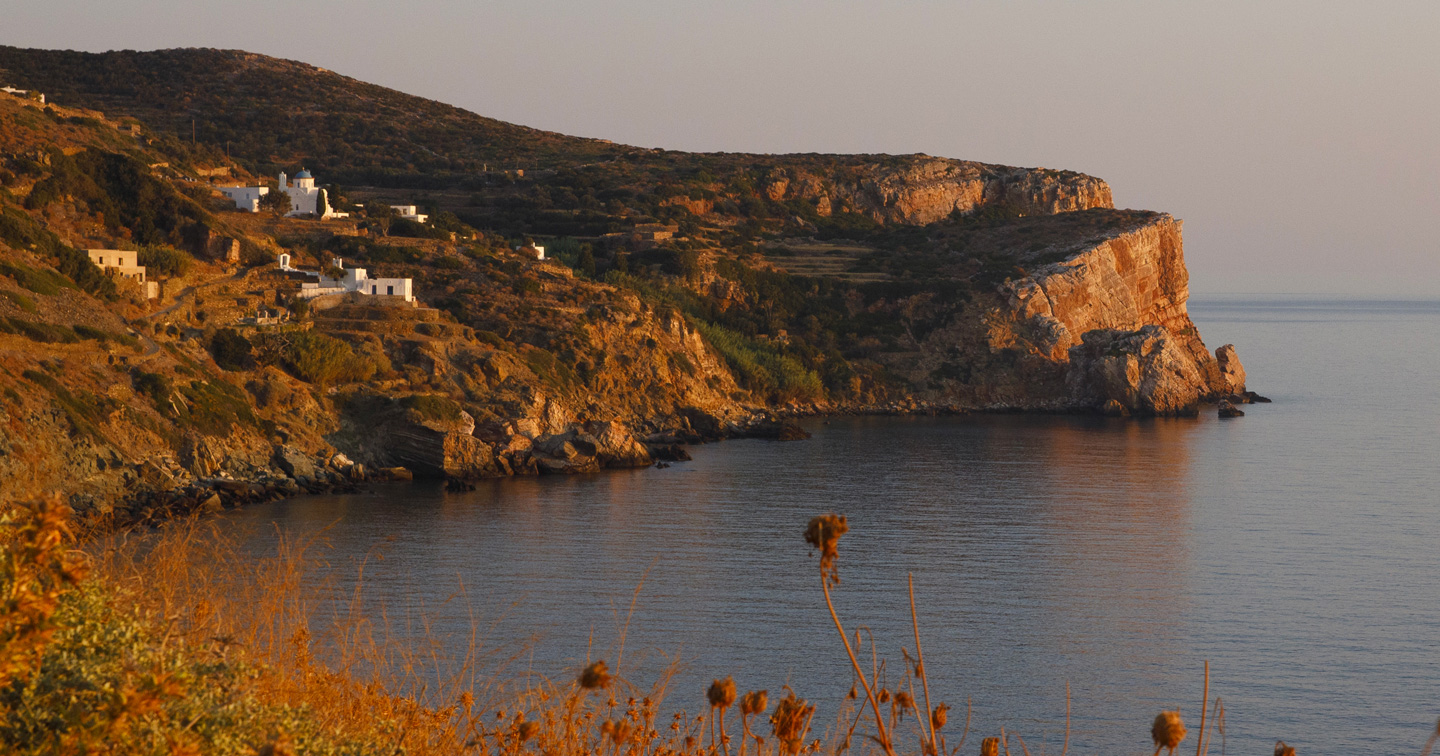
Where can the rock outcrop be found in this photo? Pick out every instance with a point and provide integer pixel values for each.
(1109, 323)
(1145, 371)
(921, 189)
(1232, 373)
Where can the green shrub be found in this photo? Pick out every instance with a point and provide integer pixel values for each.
(432, 407)
(19, 300)
(46, 333)
(164, 261)
(231, 350)
(102, 335)
(41, 281)
(760, 367)
(214, 407)
(324, 360)
(83, 411)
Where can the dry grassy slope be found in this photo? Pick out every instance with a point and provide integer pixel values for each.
(270, 112)
(529, 367)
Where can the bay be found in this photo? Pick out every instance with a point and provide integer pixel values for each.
(1297, 549)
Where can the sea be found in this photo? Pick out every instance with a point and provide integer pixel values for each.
(1296, 550)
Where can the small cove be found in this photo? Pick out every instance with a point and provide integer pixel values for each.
(1295, 548)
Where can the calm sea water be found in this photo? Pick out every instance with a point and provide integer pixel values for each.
(1297, 549)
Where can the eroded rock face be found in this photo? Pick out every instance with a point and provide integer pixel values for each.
(1232, 373)
(920, 189)
(1127, 293)
(1145, 371)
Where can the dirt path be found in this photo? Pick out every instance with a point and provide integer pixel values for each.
(151, 348)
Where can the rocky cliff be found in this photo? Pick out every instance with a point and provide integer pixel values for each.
(687, 298)
(919, 189)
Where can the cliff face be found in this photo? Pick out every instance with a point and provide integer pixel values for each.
(1108, 322)
(922, 189)
(930, 283)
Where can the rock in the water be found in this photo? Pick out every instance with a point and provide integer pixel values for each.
(394, 473)
(1145, 371)
(1232, 373)
(615, 445)
(1227, 409)
(1253, 398)
(669, 452)
(212, 504)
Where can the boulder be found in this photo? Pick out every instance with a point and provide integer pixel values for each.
(1146, 371)
(212, 504)
(1227, 409)
(616, 446)
(1232, 373)
(670, 452)
(566, 453)
(203, 456)
(294, 462)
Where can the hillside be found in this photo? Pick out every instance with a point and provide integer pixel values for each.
(686, 297)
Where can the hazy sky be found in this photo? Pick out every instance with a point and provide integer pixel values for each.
(1298, 140)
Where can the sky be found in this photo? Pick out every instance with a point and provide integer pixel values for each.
(1299, 141)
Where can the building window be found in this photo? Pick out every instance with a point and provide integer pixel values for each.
(372, 289)
(390, 290)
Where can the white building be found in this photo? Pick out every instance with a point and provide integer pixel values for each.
(22, 93)
(534, 250)
(409, 212)
(304, 196)
(354, 280)
(124, 264)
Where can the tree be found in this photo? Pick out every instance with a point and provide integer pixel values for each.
(322, 204)
(379, 216)
(586, 263)
(277, 202)
(231, 350)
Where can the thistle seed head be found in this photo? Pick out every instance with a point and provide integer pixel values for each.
(595, 676)
(754, 702)
(990, 747)
(1283, 750)
(721, 693)
(1167, 730)
(823, 533)
(940, 716)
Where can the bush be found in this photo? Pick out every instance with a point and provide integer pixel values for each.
(431, 407)
(761, 368)
(324, 360)
(45, 333)
(164, 261)
(231, 350)
(19, 300)
(41, 281)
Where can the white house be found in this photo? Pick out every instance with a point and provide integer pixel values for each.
(125, 264)
(354, 280)
(245, 197)
(304, 196)
(534, 250)
(410, 212)
(22, 93)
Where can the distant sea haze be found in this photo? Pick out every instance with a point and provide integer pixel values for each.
(1294, 548)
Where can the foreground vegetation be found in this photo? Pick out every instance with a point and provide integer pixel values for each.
(177, 643)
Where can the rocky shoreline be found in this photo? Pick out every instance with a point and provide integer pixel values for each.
(589, 449)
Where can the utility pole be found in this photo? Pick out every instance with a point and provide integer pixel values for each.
(192, 132)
